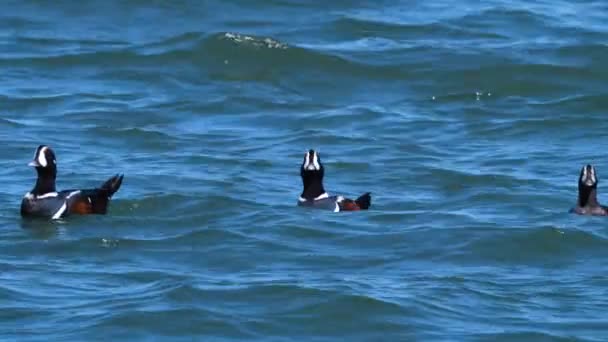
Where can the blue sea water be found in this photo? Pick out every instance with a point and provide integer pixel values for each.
(468, 121)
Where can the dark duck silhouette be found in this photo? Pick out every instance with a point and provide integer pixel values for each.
(587, 203)
(44, 201)
(314, 194)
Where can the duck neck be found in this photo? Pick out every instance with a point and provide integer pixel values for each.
(313, 188)
(45, 182)
(587, 197)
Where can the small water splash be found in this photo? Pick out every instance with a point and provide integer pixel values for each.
(480, 94)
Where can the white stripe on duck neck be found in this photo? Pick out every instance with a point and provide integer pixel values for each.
(47, 195)
(320, 197)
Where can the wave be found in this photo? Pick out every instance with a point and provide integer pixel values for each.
(219, 53)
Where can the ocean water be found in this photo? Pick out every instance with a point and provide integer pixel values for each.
(467, 120)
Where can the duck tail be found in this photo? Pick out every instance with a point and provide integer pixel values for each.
(364, 201)
(112, 185)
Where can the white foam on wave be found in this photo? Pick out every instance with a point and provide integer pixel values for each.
(257, 42)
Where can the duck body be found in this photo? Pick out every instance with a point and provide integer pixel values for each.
(44, 201)
(337, 203)
(314, 195)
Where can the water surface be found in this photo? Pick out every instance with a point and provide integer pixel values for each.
(468, 122)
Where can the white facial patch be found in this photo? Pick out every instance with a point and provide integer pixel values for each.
(306, 161)
(315, 161)
(588, 176)
(584, 173)
(311, 164)
(41, 158)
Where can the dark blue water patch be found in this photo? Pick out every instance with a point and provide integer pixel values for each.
(544, 246)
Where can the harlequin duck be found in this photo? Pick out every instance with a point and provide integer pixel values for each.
(314, 195)
(46, 202)
(587, 203)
